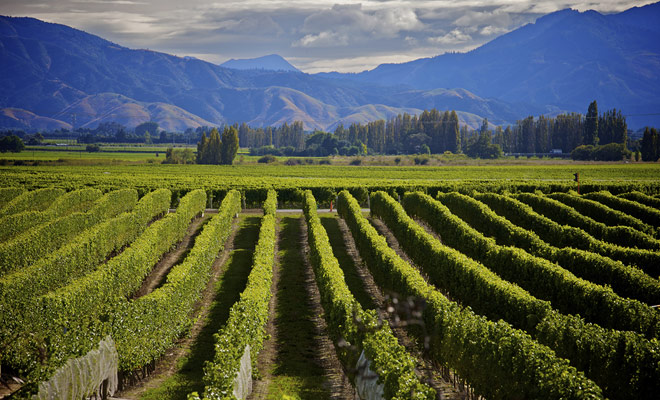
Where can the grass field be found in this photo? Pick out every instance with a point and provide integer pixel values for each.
(529, 170)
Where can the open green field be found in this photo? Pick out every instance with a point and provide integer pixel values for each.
(71, 156)
(331, 173)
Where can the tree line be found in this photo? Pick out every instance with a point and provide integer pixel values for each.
(213, 150)
(432, 131)
(650, 145)
(435, 131)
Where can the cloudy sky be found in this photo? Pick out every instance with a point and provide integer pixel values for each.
(315, 36)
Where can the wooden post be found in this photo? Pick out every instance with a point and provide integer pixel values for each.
(577, 179)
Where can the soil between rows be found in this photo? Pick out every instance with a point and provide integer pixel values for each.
(172, 376)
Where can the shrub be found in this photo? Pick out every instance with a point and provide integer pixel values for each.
(584, 152)
(93, 148)
(611, 152)
(267, 159)
(11, 143)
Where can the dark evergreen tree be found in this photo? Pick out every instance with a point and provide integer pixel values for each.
(11, 143)
(202, 145)
(151, 127)
(542, 135)
(528, 135)
(229, 145)
(453, 136)
(649, 146)
(243, 131)
(612, 128)
(213, 151)
(591, 124)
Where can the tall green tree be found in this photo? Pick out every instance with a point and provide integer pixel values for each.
(591, 124)
(528, 135)
(650, 146)
(201, 148)
(151, 127)
(612, 128)
(214, 149)
(453, 134)
(11, 143)
(229, 145)
(147, 137)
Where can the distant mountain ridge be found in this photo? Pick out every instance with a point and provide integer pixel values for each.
(56, 72)
(563, 61)
(272, 62)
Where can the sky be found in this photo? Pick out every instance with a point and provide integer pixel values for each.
(315, 36)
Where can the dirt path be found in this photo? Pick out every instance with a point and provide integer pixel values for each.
(447, 384)
(158, 274)
(267, 355)
(339, 384)
(168, 364)
(298, 360)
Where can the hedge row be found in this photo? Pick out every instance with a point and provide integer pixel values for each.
(597, 351)
(625, 280)
(601, 212)
(500, 362)
(145, 328)
(649, 215)
(36, 243)
(642, 198)
(247, 320)
(566, 292)
(348, 321)
(19, 290)
(75, 201)
(35, 200)
(70, 312)
(561, 236)
(7, 194)
(565, 215)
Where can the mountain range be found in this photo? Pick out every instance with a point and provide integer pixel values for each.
(272, 62)
(53, 76)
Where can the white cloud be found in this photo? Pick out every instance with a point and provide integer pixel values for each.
(453, 37)
(316, 31)
(492, 30)
(260, 24)
(346, 23)
(411, 41)
(323, 39)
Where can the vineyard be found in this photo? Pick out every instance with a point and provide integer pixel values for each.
(328, 286)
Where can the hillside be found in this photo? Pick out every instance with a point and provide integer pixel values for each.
(562, 61)
(52, 70)
(272, 62)
(16, 118)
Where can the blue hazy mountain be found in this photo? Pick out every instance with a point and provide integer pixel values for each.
(565, 59)
(561, 62)
(55, 71)
(272, 62)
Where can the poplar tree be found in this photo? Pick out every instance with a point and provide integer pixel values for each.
(201, 147)
(453, 133)
(229, 145)
(649, 145)
(214, 148)
(591, 124)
